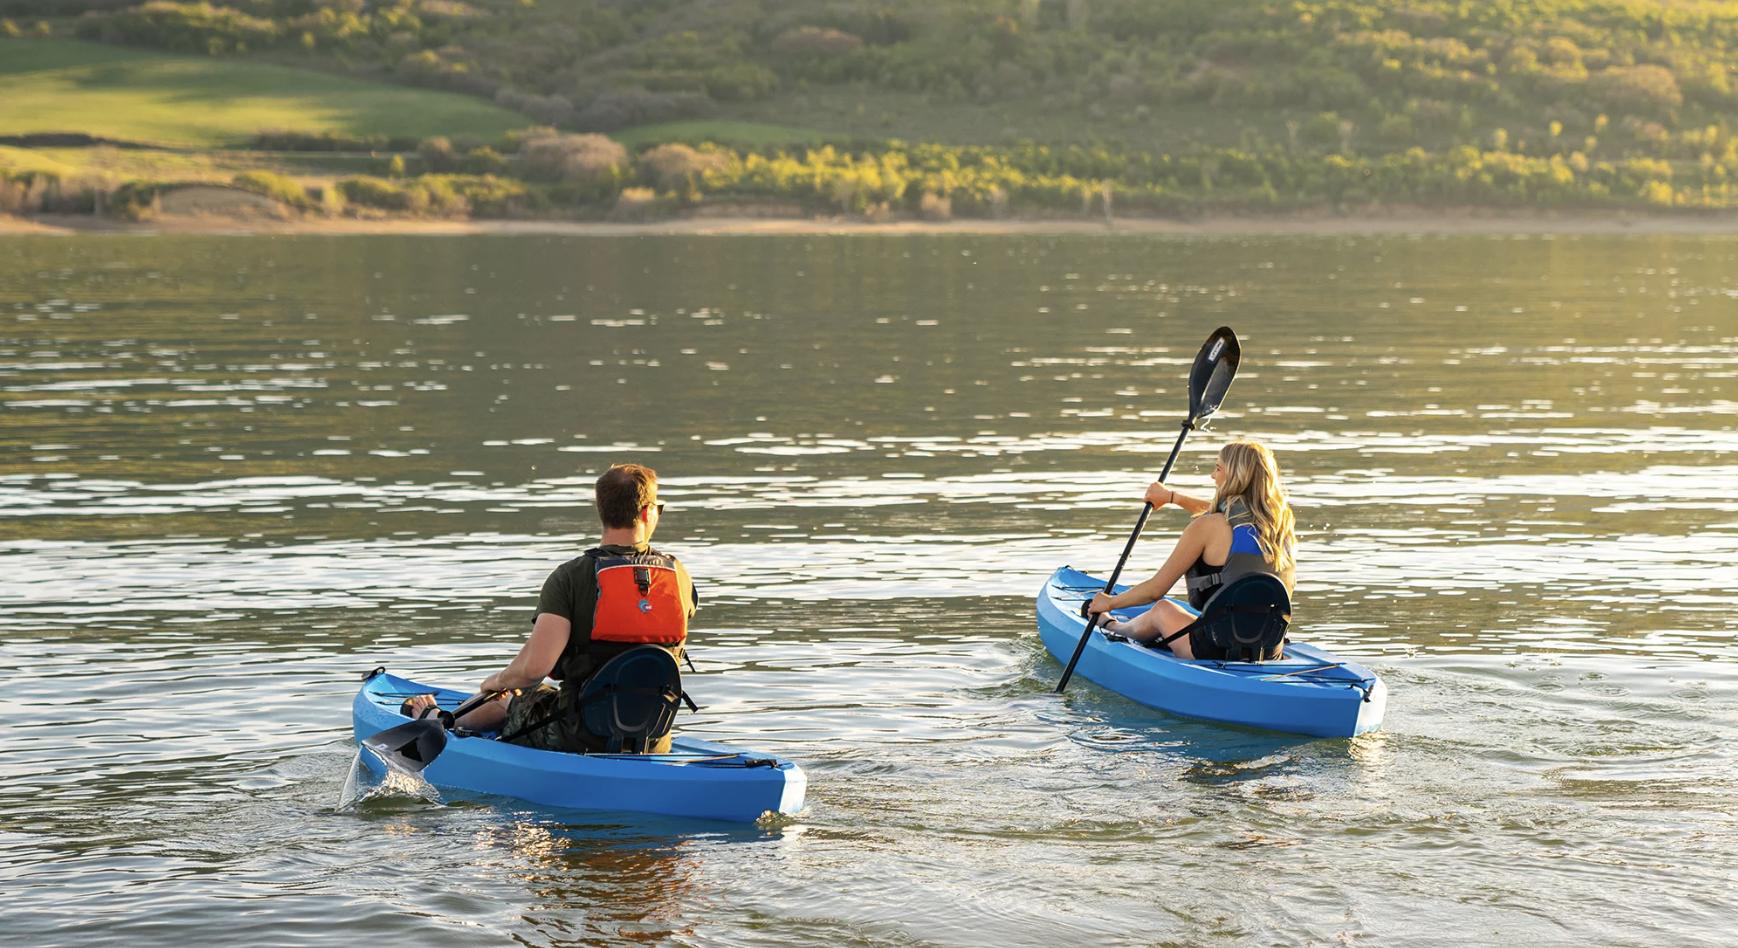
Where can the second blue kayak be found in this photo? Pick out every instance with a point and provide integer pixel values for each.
(1309, 691)
(697, 778)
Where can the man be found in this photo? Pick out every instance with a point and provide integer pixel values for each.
(617, 596)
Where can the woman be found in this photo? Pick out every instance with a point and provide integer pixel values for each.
(1247, 527)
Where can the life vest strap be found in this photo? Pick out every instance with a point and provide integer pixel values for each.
(1197, 582)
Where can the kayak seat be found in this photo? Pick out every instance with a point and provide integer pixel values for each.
(631, 701)
(1245, 621)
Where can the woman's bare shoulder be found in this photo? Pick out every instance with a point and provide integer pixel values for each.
(1205, 527)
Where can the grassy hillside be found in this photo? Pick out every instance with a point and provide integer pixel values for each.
(927, 108)
(1366, 76)
(133, 95)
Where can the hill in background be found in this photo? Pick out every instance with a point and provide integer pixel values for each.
(1339, 74)
(977, 107)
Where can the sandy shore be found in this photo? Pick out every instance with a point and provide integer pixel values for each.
(1397, 221)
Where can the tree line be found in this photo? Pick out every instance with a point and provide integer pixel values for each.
(544, 172)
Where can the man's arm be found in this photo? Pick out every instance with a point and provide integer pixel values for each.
(688, 582)
(536, 658)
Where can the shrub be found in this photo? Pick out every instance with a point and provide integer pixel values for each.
(436, 153)
(552, 109)
(640, 204)
(935, 207)
(814, 42)
(490, 195)
(435, 194)
(677, 167)
(1396, 129)
(1322, 130)
(374, 192)
(277, 187)
(588, 162)
(620, 108)
(739, 82)
(330, 199)
(183, 27)
(484, 160)
(136, 200)
(1637, 89)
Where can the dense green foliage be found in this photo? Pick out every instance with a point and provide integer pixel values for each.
(1022, 106)
(1434, 73)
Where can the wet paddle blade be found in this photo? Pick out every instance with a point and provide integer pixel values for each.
(1210, 379)
(410, 747)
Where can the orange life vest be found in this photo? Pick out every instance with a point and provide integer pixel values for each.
(640, 599)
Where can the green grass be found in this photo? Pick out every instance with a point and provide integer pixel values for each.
(132, 95)
(33, 160)
(735, 134)
(113, 166)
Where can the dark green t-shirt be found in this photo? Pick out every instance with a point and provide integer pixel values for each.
(570, 592)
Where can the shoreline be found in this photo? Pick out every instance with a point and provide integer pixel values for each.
(1398, 221)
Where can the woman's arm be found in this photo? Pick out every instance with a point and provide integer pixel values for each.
(536, 658)
(1188, 549)
(1159, 495)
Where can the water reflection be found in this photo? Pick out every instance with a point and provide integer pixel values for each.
(234, 473)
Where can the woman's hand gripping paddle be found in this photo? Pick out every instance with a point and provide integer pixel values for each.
(1209, 380)
(411, 746)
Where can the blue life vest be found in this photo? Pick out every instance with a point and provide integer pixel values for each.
(1245, 558)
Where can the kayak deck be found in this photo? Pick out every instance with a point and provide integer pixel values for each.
(1309, 691)
(695, 779)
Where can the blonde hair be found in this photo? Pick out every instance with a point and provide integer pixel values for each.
(1252, 476)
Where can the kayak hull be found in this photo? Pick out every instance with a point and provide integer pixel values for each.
(1310, 691)
(696, 779)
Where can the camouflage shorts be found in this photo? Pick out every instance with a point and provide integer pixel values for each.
(563, 730)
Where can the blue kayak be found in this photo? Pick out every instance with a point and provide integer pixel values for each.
(696, 779)
(1309, 691)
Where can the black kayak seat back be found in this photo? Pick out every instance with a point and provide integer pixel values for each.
(631, 701)
(1245, 621)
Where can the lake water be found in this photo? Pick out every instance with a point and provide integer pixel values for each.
(237, 472)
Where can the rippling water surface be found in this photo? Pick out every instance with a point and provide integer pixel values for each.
(236, 472)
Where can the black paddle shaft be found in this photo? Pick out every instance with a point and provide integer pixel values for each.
(1209, 379)
(1127, 548)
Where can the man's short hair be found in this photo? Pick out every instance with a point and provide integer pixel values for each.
(623, 491)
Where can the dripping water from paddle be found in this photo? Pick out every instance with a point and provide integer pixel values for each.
(361, 786)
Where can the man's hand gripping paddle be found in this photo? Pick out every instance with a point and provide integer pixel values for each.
(411, 746)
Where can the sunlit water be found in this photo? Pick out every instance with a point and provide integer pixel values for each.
(238, 472)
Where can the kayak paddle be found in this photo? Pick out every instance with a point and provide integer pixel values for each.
(413, 745)
(1209, 380)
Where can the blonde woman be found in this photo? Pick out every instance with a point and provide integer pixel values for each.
(1246, 528)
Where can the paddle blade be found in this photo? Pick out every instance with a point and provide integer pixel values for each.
(410, 747)
(1210, 379)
